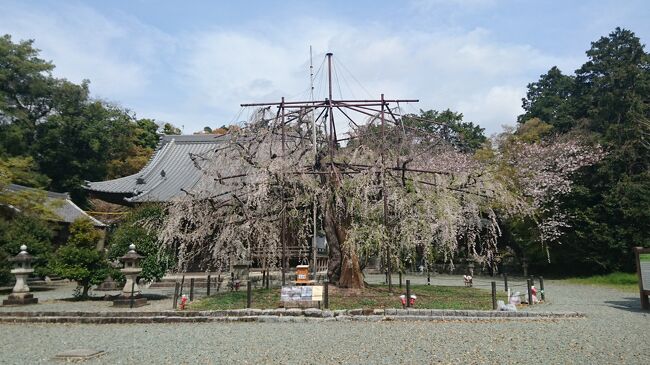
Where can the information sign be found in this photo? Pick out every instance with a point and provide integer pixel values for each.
(643, 273)
(301, 293)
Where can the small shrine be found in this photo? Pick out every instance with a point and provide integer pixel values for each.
(131, 295)
(20, 294)
(302, 275)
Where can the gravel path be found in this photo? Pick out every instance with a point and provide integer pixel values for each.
(615, 331)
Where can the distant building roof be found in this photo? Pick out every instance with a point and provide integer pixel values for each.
(169, 172)
(66, 210)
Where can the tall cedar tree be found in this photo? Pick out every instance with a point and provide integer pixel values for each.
(608, 100)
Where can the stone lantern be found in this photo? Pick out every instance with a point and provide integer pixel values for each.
(470, 266)
(524, 265)
(22, 269)
(131, 296)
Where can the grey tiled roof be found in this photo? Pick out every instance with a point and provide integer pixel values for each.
(62, 206)
(169, 171)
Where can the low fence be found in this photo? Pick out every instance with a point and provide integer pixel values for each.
(526, 289)
(194, 288)
(523, 288)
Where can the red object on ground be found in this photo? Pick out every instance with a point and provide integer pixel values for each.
(183, 301)
(402, 299)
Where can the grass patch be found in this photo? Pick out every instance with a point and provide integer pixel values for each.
(618, 280)
(375, 296)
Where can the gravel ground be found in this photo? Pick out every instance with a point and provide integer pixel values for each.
(59, 298)
(615, 331)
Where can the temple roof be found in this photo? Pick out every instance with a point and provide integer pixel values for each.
(60, 204)
(169, 172)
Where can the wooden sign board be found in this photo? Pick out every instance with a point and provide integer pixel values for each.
(643, 272)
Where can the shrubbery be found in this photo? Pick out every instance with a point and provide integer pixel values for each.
(137, 229)
(79, 259)
(24, 230)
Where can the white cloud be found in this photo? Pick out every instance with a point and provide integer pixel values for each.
(458, 5)
(200, 77)
(468, 71)
(119, 57)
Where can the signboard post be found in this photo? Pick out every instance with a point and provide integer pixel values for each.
(643, 272)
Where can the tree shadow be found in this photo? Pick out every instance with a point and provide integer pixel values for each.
(108, 298)
(629, 304)
(31, 289)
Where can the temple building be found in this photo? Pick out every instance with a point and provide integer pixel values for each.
(169, 173)
(64, 212)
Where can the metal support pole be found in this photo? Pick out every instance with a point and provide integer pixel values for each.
(505, 282)
(400, 280)
(541, 288)
(207, 286)
(530, 292)
(176, 289)
(218, 282)
(384, 194)
(182, 283)
(191, 289)
(494, 295)
(326, 294)
(408, 293)
(532, 281)
(249, 294)
(283, 233)
(313, 130)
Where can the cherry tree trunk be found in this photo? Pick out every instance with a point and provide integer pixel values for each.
(343, 267)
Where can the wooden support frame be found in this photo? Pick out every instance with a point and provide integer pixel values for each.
(642, 256)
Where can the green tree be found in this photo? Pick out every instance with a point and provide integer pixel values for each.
(549, 100)
(70, 137)
(613, 205)
(25, 84)
(170, 129)
(24, 229)
(450, 126)
(75, 147)
(608, 103)
(146, 133)
(79, 259)
(24, 171)
(138, 228)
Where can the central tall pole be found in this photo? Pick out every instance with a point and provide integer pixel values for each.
(314, 247)
(330, 110)
(283, 233)
(384, 193)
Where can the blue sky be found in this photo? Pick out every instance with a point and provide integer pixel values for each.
(192, 63)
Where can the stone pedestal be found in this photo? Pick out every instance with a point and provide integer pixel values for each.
(20, 299)
(241, 270)
(125, 302)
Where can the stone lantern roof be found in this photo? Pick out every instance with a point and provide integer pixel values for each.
(131, 255)
(22, 256)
